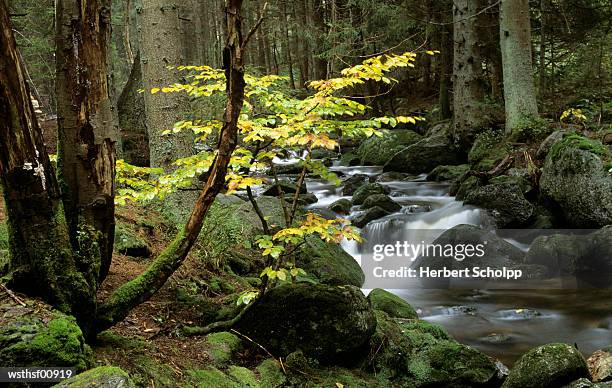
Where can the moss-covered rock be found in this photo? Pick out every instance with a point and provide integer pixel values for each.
(552, 365)
(366, 190)
(425, 155)
(341, 206)
(376, 151)
(350, 159)
(575, 178)
(129, 242)
(369, 215)
(447, 173)
(392, 304)
(329, 263)
(383, 201)
(354, 182)
(286, 186)
(505, 200)
(326, 322)
(271, 374)
(243, 376)
(448, 363)
(489, 149)
(211, 377)
(37, 335)
(588, 257)
(222, 346)
(100, 377)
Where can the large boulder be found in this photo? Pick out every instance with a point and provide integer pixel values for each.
(505, 200)
(232, 226)
(376, 151)
(100, 377)
(383, 201)
(37, 335)
(341, 206)
(366, 190)
(391, 304)
(424, 156)
(575, 178)
(588, 257)
(328, 323)
(369, 215)
(354, 182)
(547, 366)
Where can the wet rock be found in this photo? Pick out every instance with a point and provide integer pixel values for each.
(586, 256)
(519, 314)
(366, 190)
(505, 200)
(383, 201)
(369, 215)
(391, 304)
(323, 153)
(341, 206)
(415, 209)
(424, 156)
(496, 338)
(600, 365)
(447, 173)
(350, 159)
(303, 200)
(100, 377)
(37, 335)
(376, 151)
(128, 242)
(552, 365)
(329, 323)
(354, 182)
(391, 176)
(575, 178)
(288, 169)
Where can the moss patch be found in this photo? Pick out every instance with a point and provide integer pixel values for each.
(392, 304)
(103, 376)
(222, 346)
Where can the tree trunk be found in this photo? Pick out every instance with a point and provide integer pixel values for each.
(320, 63)
(42, 261)
(543, 30)
(287, 42)
(144, 286)
(161, 47)
(132, 119)
(515, 35)
(87, 130)
(468, 82)
(446, 70)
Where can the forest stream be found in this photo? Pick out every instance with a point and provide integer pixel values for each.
(501, 323)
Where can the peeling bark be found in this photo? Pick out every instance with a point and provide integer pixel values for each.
(87, 130)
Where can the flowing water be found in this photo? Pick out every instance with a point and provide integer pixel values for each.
(502, 323)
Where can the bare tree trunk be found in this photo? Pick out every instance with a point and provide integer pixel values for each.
(519, 90)
(468, 82)
(542, 60)
(144, 286)
(42, 261)
(127, 25)
(87, 130)
(320, 63)
(287, 41)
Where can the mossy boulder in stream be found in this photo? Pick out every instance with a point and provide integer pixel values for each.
(369, 215)
(366, 190)
(424, 156)
(575, 178)
(100, 377)
(447, 173)
(329, 323)
(341, 206)
(37, 335)
(376, 151)
(547, 366)
(383, 201)
(392, 304)
(316, 259)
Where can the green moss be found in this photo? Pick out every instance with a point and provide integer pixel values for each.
(366, 190)
(245, 377)
(378, 150)
(99, 377)
(392, 304)
(149, 369)
(4, 236)
(531, 129)
(271, 375)
(211, 377)
(577, 141)
(129, 242)
(117, 341)
(222, 346)
(424, 327)
(329, 263)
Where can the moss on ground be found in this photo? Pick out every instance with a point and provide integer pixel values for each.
(222, 346)
(103, 376)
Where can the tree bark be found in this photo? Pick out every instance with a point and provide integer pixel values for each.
(286, 47)
(515, 36)
(468, 82)
(160, 47)
(87, 130)
(144, 286)
(42, 261)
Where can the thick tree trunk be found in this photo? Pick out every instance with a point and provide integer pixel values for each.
(87, 130)
(132, 119)
(144, 286)
(286, 47)
(161, 47)
(320, 63)
(42, 261)
(515, 37)
(446, 71)
(468, 82)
